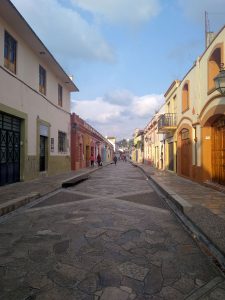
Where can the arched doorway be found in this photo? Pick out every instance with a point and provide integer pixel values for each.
(185, 152)
(218, 151)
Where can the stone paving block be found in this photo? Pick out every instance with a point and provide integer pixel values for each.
(112, 293)
(153, 281)
(89, 284)
(170, 293)
(61, 247)
(95, 232)
(185, 285)
(133, 271)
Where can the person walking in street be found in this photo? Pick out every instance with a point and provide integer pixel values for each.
(99, 160)
(92, 159)
(115, 159)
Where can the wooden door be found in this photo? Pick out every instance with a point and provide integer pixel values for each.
(218, 151)
(185, 153)
(171, 157)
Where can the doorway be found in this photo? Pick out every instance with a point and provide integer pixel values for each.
(10, 130)
(218, 151)
(43, 153)
(171, 157)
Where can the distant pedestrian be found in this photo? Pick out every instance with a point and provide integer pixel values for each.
(115, 159)
(92, 159)
(99, 160)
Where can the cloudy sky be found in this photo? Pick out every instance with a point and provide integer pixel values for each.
(123, 54)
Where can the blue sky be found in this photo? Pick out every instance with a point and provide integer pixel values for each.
(123, 54)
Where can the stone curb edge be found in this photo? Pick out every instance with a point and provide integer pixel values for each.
(178, 205)
(13, 204)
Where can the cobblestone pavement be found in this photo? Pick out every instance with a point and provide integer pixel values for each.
(108, 238)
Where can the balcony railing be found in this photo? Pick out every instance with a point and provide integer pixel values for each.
(167, 122)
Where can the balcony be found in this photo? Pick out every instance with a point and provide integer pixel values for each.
(167, 123)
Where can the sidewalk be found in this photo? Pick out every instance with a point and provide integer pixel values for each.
(14, 195)
(200, 208)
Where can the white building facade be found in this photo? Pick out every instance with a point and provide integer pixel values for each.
(34, 103)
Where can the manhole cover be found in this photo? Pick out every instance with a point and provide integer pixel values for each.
(60, 198)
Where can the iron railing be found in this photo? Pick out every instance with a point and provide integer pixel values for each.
(167, 121)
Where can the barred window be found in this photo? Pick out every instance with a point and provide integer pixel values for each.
(10, 52)
(62, 141)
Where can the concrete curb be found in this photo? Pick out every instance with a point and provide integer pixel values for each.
(11, 205)
(74, 180)
(176, 199)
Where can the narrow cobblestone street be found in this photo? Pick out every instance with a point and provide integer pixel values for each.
(110, 237)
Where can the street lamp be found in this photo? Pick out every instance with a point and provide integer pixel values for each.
(220, 80)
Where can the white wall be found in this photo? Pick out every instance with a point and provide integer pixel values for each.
(17, 95)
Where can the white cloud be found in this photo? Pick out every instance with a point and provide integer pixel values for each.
(97, 110)
(63, 30)
(147, 105)
(120, 120)
(121, 11)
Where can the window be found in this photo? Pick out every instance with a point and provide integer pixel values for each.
(214, 63)
(10, 52)
(42, 80)
(60, 95)
(62, 142)
(52, 144)
(185, 134)
(185, 97)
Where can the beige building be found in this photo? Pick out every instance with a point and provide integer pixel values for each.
(34, 103)
(167, 124)
(201, 126)
(154, 144)
(193, 123)
(138, 146)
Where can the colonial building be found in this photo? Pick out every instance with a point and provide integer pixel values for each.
(167, 124)
(138, 146)
(201, 126)
(86, 141)
(193, 125)
(154, 143)
(34, 103)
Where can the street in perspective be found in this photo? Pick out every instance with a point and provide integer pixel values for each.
(112, 150)
(111, 236)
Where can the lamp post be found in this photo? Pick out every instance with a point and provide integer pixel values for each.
(220, 80)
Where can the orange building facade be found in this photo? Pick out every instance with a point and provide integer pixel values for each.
(87, 142)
